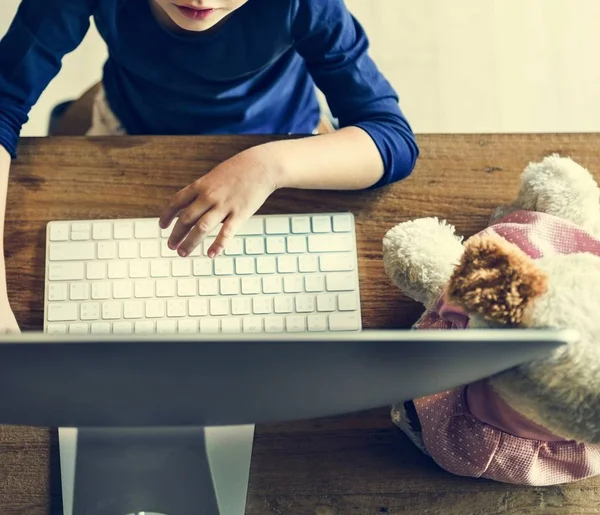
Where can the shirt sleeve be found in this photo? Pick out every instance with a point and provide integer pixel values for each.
(335, 48)
(42, 32)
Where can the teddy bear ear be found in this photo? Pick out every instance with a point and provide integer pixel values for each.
(496, 281)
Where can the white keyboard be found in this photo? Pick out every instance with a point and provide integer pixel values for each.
(281, 274)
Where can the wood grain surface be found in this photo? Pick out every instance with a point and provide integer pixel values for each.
(357, 464)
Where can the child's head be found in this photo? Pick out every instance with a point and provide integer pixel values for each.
(195, 15)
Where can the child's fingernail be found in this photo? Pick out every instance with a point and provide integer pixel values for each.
(182, 252)
(211, 254)
(171, 246)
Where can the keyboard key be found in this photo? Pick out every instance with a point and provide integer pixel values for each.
(122, 289)
(209, 325)
(347, 302)
(252, 325)
(208, 286)
(241, 306)
(340, 282)
(111, 310)
(284, 304)
(62, 312)
(59, 232)
(181, 268)
(308, 263)
(295, 324)
(231, 325)
(78, 328)
(81, 227)
(187, 287)
(287, 264)
(330, 243)
(321, 224)
(102, 231)
(266, 265)
(155, 309)
(293, 284)
(301, 225)
(202, 267)
(317, 323)
(159, 268)
(262, 305)
(123, 230)
(139, 269)
(72, 251)
(80, 236)
(101, 290)
(251, 285)
(255, 246)
(244, 266)
(198, 307)
(305, 304)
(149, 249)
(235, 247)
(118, 269)
(166, 251)
(252, 227)
(79, 291)
(314, 283)
(165, 288)
(176, 308)
(344, 322)
(296, 244)
(166, 327)
(146, 230)
(96, 270)
(143, 289)
(276, 245)
(219, 307)
(187, 326)
(272, 284)
(90, 311)
(128, 249)
(223, 266)
(122, 328)
(336, 263)
(107, 250)
(277, 225)
(326, 302)
(274, 324)
(342, 223)
(58, 291)
(230, 286)
(144, 327)
(56, 328)
(133, 309)
(100, 328)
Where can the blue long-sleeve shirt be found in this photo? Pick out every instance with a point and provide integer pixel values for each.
(255, 74)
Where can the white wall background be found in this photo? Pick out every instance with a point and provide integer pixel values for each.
(459, 65)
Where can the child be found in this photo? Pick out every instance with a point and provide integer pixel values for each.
(221, 67)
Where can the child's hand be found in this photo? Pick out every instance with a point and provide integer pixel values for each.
(231, 193)
(8, 322)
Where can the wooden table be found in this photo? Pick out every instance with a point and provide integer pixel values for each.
(344, 466)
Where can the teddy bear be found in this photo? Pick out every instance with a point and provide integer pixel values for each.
(536, 265)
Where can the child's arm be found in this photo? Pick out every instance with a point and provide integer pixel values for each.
(8, 323)
(42, 32)
(374, 147)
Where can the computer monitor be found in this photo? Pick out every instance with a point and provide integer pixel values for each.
(142, 405)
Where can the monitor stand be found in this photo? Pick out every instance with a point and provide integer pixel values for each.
(170, 471)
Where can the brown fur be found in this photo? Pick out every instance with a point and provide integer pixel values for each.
(496, 280)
